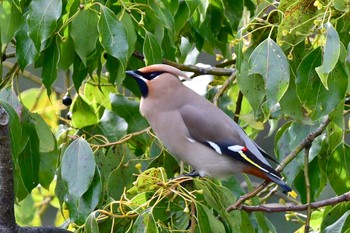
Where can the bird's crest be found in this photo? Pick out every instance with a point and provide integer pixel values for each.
(164, 68)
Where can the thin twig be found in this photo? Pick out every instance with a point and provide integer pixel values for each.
(31, 76)
(8, 55)
(245, 197)
(37, 98)
(223, 88)
(14, 69)
(307, 184)
(238, 106)
(226, 63)
(192, 68)
(273, 208)
(122, 140)
(304, 143)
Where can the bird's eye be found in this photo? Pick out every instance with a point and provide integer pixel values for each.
(153, 75)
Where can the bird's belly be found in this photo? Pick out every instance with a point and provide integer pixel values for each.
(175, 137)
(207, 162)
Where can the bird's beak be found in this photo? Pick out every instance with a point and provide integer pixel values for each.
(131, 73)
(135, 74)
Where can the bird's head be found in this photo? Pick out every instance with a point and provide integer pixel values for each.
(158, 76)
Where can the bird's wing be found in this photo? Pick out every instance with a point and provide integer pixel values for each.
(222, 135)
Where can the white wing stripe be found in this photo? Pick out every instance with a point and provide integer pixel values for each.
(190, 140)
(215, 147)
(235, 148)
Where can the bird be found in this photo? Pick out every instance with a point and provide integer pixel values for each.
(196, 131)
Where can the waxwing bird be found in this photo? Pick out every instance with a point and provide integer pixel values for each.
(196, 131)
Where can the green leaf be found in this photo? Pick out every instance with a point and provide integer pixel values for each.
(25, 211)
(233, 12)
(269, 61)
(162, 13)
(79, 72)
(113, 35)
(287, 138)
(331, 54)
(111, 126)
(340, 226)
(130, 30)
(98, 95)
(48, 152)
(10, 19)
(317, 100)
(47, 167)
(296, 21)
(20, 189)
(9, 96)
(181, 17)
(218, 202)
(291, 105)
(151, 50)
(80, 207)
(145, 223)
(25, 49)
(122, 177)
(252, 88)
(91, 225)
(29, 158)
(66, 50)
(78, 167)
(82, 113)
(116, 70)
(314, 177)
(15, 129)
(167, 161)
(338, 169)
(332, 214)
(84, 33)
(42, 20)
(50, 69)
(47, 139)
(106, 162)
(207, 222)
(129, 110)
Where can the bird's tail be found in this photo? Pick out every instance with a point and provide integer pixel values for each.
(286, 189)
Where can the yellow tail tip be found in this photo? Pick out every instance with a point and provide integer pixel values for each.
(293, 194)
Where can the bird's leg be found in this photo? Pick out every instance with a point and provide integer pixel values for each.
(192, 174)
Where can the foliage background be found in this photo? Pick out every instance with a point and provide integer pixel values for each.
(283, 64)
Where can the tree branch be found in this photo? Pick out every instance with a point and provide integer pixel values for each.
(273, 208)
(7, 198)
(192, 68)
